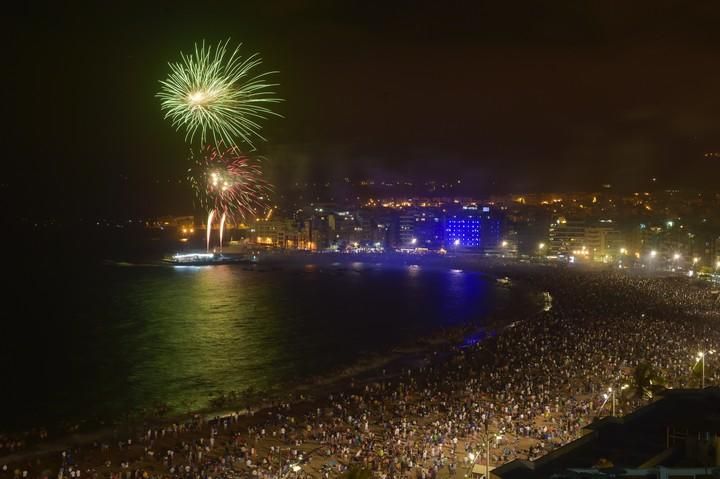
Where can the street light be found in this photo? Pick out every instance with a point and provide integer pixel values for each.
(676, 257)
(701, 358)
(653, 253)
(472, 456)
(497, 438)
(612, 392)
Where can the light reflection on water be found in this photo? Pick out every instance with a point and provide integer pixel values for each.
(140, 336)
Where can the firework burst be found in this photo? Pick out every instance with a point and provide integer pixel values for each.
(229, 183)
(217, 96)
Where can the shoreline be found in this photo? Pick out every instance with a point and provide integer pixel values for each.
(305, 395)
(380, 365)
(532, 384)
(309, 391)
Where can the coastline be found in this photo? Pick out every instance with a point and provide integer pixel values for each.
(442, 401)
(415, 352)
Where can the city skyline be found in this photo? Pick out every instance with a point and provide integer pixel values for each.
(510, 98)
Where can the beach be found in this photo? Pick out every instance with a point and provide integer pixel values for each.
(525, 391)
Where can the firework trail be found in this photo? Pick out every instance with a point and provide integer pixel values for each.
(228, 185)
(209, 229)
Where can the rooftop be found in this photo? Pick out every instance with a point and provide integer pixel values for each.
(680, 429)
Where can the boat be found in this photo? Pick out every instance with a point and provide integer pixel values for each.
(204, 259)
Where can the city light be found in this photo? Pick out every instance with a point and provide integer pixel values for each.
(611, 395)
(541, 246)
(193, 255)
(504, 244)
(623, 250)
(653, 253)
(701, 359)
(676, 256)
(473, 230)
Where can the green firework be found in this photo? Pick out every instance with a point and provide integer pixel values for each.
(218, 96)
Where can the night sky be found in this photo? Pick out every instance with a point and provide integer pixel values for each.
(507, 95)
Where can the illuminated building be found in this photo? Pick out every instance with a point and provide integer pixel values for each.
(473, 229)
(566, 236)
(429, 229)
(406, 227)
(420, 228)
(356, 227)
(602, 242)
(275, 232)
(596, 241)
(464, 231)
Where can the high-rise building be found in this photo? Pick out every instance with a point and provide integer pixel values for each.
(275, 232)
(602, 242)
(596, 240)
(566, 236)
(406, 228)
(473, 228)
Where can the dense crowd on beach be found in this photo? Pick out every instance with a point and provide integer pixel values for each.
(523, 392)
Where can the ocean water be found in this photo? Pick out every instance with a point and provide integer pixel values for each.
(99, 341)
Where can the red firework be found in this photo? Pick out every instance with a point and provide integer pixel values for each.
(230, 183)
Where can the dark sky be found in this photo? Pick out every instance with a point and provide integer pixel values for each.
(508, 95)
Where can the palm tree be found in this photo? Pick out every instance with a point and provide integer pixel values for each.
(646, 381)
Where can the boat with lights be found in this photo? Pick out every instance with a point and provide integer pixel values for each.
(204, 259)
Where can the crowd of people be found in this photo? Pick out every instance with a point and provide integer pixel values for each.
(519, 394)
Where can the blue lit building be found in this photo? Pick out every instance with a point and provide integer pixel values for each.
(473, 228)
